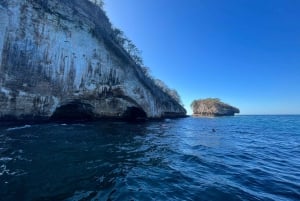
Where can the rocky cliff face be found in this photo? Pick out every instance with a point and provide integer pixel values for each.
(58, 60)
(212, 107)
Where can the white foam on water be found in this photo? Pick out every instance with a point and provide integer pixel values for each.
(5, 159)
(18, 128)
(3, 170)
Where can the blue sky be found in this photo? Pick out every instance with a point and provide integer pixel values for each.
(245, 52)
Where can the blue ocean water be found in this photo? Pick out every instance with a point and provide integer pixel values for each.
(227, 158)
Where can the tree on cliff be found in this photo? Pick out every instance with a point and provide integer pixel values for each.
(99, 3)
(128, 45)
(172, 92)
(132, 50)
(135, 54)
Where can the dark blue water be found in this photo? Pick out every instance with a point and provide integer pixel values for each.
(247, 158)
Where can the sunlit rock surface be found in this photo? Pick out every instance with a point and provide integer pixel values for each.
(58, 60)
(212, 107)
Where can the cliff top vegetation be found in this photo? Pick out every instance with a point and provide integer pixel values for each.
(136, 55)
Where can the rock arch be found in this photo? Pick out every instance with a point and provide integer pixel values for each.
(135, 114)
(73, 111)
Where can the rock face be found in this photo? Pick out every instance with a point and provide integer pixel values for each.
(58, 60)
(212, 107)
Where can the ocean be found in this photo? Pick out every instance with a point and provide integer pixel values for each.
(225, 158)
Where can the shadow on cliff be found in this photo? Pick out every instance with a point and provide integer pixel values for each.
(77, 111)
(74, 111)
(134, 114)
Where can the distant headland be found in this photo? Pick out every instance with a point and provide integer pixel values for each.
(212, 107)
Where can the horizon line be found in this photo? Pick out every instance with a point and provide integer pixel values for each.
(260, 114)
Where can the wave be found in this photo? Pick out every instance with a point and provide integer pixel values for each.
(18, 128)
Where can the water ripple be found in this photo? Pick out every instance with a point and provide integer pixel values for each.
(247, 158)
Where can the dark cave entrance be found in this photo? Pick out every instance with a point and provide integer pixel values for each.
(135, 114)
(74, 111)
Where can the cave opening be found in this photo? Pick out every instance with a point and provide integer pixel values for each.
(74, 111)
(135, 114)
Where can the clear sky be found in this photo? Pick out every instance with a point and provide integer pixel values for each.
(245, 52)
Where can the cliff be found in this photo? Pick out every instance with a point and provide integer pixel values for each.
(59, 60)
(212, 107)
